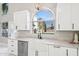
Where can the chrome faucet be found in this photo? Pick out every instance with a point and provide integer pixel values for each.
(39, 35)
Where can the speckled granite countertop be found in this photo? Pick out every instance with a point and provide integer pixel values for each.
(50, 42)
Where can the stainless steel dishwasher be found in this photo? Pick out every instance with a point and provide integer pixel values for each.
(22, 48)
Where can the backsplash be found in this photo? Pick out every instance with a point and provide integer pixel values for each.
(68, 36)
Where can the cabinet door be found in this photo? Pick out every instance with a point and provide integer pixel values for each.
(22, 20)
(75, 16)
(55, 50)
(72, 51)
(64, 17)
(37, 49)
(51, 50)
(32, 48)
(59, 51)
(42, 50)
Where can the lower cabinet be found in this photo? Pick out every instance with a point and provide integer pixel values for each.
(55, 50)
(32, 48)
(72, 52)
(37, 49)
(42, 50)
(17, 48)
(13, 47)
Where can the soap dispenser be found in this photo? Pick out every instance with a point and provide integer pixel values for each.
(75, 38)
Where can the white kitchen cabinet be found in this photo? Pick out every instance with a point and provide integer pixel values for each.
(59, 51)
(17, 48)
(22, 20)
(51, 50)
(72, 52)
(37, 49)
(63, 17)
(75, 16)
(55, 50)
(42, 49)
(13, 47)
(32, 48)
(67, 16)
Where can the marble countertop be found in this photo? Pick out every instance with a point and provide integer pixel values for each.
(50, 42)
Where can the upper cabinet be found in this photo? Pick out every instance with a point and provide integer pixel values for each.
(75, 16)
(22, 20)
(67, 17)
(64, 17)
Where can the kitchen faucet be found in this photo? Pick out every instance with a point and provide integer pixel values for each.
(39, 35)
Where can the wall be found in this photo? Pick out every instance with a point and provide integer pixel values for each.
(13, 7)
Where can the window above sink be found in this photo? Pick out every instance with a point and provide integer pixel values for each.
(44, 21)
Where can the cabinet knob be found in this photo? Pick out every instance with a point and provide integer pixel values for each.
(12, 41)
(77, 51)
(56, 46)
(67, 52)
(12, 50)
(36, 53)
(12, 45)
(16, 27)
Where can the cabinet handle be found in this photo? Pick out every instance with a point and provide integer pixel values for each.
(72, 26)
(12, 41)
(77, 51)
(16, 27)
(12, 45)
(56, 46)
(67, 52)
(12, 50)
(58, 26)
(36, 53)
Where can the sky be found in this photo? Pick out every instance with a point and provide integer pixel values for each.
(46, 15)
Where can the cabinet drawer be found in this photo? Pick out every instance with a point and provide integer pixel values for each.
(72, 52)
(13, 51)
(12, 42)
(12, 45)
